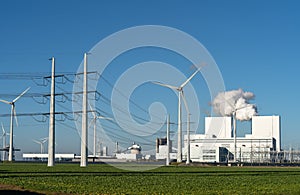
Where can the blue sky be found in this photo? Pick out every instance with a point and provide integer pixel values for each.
(254, 43)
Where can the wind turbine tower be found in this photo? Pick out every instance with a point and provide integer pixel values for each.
(168, 141)
(188, 156)
(4, 134)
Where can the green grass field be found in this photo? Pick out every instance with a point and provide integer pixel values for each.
(105, 179)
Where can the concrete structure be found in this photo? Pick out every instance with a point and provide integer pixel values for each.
(162, 149)
(217, 143)
(265, 127)
(84, 123)
(218, 127)
(51, 138)
(105, 151)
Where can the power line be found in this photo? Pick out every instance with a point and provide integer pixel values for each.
(65, 96)
(123, 95)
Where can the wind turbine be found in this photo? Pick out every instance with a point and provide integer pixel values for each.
(4, 146)
(180, 95)
(94, 121)
(12, 116)
(41, 142)
(4, 134)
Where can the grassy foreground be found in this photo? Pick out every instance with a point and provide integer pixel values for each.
(105, 179)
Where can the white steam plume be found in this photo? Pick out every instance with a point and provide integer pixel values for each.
(235, 101)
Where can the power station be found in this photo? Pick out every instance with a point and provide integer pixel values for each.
(217, 143)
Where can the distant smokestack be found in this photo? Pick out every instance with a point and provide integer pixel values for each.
(117, 147)
(157, 145)
(105, 151)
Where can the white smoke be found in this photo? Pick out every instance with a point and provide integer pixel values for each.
(235, 101)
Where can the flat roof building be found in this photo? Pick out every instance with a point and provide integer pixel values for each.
(217, 143)
(44, 157)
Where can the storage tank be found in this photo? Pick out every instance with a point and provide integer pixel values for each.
(135, 148)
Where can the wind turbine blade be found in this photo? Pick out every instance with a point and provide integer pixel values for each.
(4, 101)
(20, 95)
(92, 122)
(105, 118)
(36, 141)
(92, 111)
(185, 103)
(8, 134)
(45, 139)
(230, 104)
(165, 85)
(190, 78)
(15, 115)
(3, 131)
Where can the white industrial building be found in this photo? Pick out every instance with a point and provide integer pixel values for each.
(217, 143)
(44, 157)
(162, 149)
(134, 155)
